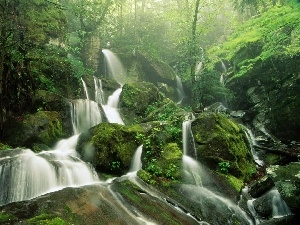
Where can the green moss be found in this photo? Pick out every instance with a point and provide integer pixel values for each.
(146, 177)
(220, 140)
(4, 146)
(6, 217)
(46, 219)
(113, 146)
(272, 34)
(236, 183)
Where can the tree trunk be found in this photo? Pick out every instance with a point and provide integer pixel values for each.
(193, 45)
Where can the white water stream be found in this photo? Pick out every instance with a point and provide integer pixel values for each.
(27, 175)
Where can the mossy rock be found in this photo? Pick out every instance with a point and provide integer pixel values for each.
(287, 181)
(109, 147)
(43, 127)
(136, 97)
(221, 142)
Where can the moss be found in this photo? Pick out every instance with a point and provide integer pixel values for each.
(6, 218)
(146, 177)
(234, 182)
(4, 146)
(113, 146)
(43, 127)
(46, 219)
(219, 140)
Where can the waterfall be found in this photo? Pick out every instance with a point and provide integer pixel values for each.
(99, 95)
(279, 207)
(188, 141)
(191, 168)
(85, 89)
(252, 143)
(84, 114)
(136, 163)
(222, 75)
(201, 184)
(115, 67)
(27, 175)
(111, 108)
(180, 90)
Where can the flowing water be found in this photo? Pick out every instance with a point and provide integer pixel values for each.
(115, 67)
(200, 187)
(136, 162)
(180, 91)
(27, 175)
(111, 108)
(84, 114)
(252, 143)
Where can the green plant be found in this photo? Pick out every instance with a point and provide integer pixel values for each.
(170, 171)
(224, 167)
(154, 168)
(115, 165)
(6, 217)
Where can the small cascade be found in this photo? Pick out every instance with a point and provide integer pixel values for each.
(136, 163)
(111, 108)
(180, 91)
(84, 114)
(222, 75)
(191, 168)
(85, 89)
(99, 95)
(114, 65)
(279, 207)
(188, 138)
(27, 175)
(200, 185)
(252, 143)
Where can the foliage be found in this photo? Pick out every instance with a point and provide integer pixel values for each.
(6, 217)
(46, 219)
(273, 34)
(224, 167)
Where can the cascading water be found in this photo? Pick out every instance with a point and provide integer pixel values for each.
(99, 95)
(279, 207)
(116, 71)
(180, 90)
(200, 187)
(115, 68)
(84, 114)
(27, 175)
(222, 75)
(85, 89)
(136, 163)
(111, 108)
(252, 143)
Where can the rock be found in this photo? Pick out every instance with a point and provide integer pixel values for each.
(43, 127)
(287, 220)
(222, 145)
(287, 181)
(109, 147)
(122, 203)
(49, 101)
(258, 188)
(263, 205)
(135, 99)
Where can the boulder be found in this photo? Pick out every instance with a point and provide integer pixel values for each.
(222, 145)
(135, 99)
(260, 187)
(43, 127)
(49, 101)
(287, 181)
(109, 147)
